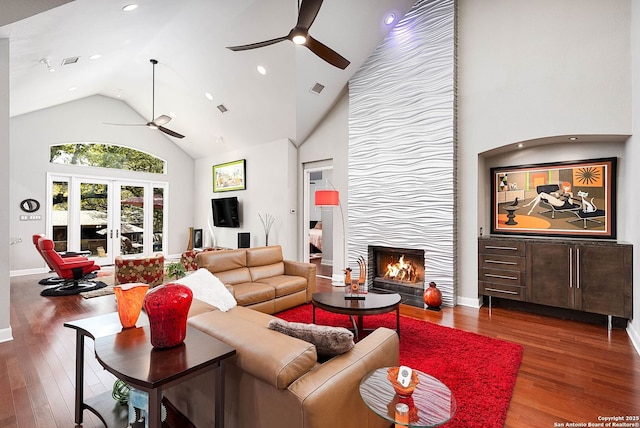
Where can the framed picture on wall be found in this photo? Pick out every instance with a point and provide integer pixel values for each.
(229, 176)
(572, 199)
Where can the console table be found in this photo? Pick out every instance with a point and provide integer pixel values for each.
(588, 276)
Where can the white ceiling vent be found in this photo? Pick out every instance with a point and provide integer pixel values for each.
(222, 108)
(70, 60)
(317, 88)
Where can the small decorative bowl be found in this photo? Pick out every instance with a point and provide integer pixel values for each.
(402, 391)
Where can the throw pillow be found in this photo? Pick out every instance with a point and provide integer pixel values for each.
(208, 288)
(329, 341)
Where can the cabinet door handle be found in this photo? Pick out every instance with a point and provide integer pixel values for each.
(578, 268)
(490, 275)
(495, 290)
(492, 247)
(500, 262)
(570, 267)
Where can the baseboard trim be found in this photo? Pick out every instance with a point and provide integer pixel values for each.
(634, 335)
(6, 335)
(23, 272)
(470, 302)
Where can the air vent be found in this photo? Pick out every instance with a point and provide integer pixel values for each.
(317, 88)
(222, 108)
(70, 60)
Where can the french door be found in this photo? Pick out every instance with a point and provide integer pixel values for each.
(106, 217)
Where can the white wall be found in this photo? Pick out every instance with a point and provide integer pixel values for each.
(82, 121)
(529, 70)
(631, 204)
(5, 161)
(271, 178)
(330, 140)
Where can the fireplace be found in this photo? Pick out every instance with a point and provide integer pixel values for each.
(397, 270)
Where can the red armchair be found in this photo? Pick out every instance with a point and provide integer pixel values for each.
(72, 270)
(56, 280)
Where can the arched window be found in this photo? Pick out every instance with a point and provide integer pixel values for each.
(106, 156)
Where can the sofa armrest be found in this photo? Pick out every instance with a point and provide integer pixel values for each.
(335, 384)
(306, 270)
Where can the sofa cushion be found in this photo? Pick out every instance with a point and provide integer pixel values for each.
(220, 261)
(209, 289)
(266, 271)
(261, 256)
(329, 341)
(234, 276)
(249, 293)
(268, 355)
(285, 284)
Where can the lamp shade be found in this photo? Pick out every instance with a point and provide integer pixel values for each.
(327, 198)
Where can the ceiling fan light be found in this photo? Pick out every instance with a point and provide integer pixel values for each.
(299, 39)
(152, 126)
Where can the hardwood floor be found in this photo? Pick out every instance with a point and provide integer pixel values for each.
(571, 371)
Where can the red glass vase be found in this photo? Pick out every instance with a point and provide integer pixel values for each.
(432, 297)
(167, 307)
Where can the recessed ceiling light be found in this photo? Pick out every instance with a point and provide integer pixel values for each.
(573, 138)
(262, 70)
(520, 145)
(73, 88)
(129, 7)
(96, 56)
(390, 18)
(209, 96)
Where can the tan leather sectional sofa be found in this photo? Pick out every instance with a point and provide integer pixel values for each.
(275, 381)
(259, 278)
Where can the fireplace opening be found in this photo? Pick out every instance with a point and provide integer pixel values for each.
(398, 270)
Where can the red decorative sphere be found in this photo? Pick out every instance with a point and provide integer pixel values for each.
(432, 296)
(167, 307)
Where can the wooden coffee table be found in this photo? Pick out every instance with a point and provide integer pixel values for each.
(372, 304)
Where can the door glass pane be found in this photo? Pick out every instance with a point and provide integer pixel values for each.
(131, 219)
(158, 219)
(93, 217)
(60, 214)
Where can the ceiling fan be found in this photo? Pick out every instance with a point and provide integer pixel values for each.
(300, 35)
(158, 121)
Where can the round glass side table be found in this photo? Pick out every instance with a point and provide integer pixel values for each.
(431, 404)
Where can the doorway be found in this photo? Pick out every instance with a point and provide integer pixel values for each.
(106, 217)
(318, 223)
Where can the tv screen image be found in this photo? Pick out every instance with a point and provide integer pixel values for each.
(225, 212)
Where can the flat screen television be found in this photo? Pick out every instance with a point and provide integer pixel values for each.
(225, 212)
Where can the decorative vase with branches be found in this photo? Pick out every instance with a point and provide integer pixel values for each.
(267, 221)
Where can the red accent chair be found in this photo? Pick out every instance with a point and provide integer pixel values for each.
(72, 270)
(56, 280)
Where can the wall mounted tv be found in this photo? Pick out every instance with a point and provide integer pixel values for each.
(225, 212)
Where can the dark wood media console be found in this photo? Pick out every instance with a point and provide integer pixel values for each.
(589, 276)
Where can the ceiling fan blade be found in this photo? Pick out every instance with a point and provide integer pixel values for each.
(257, 45)
(161, 120)
(326, 53)
(124, 124)
(170, 132)
(308, 11)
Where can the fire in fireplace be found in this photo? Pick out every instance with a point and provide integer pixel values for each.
(398, 270)
(402, 270)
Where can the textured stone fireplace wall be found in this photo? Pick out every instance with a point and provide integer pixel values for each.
(402, 144)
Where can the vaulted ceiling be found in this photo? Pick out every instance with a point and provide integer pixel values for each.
(189, 40)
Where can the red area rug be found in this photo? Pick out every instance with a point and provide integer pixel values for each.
(479, 370)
